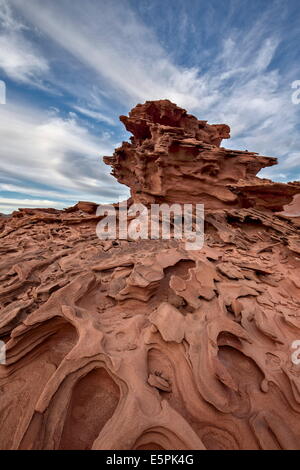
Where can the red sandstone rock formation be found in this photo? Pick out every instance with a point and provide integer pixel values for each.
(145, 345)
(174, 157)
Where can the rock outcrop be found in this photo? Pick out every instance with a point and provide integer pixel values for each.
(174, 157)
(124, 344)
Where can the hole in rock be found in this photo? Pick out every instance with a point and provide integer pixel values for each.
(150, 446)
(164, 291)
(226, 338)
(249, 224)
(50, 342)
(180, 269)
(94, 400)
(157, 439)
(218, 439)
(243, 369)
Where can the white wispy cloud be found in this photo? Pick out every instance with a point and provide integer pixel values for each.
(237, 88)
(19, 59)
(9, 204)
(125, 52)
(94, 115)
(60, 154)
(118, 48)
(23, 191)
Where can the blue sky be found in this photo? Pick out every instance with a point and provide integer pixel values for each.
(71, 67)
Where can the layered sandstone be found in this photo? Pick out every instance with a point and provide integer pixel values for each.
(125, 344)
(174, 157)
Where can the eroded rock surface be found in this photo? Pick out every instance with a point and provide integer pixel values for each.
(174, 157)
(143, 344)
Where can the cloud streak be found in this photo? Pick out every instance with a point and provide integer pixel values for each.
(56, 152)
(9, 204)
(19, 59)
